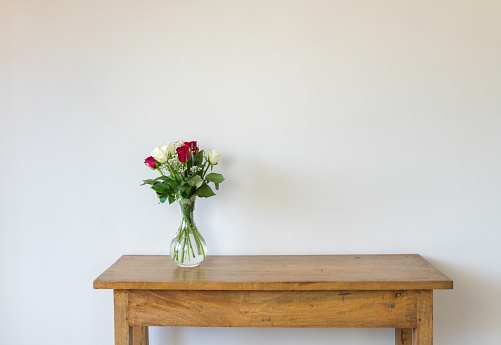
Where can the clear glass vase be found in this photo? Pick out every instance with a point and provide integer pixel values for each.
(188, 248)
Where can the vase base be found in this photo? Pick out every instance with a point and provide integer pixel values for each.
(188, 266)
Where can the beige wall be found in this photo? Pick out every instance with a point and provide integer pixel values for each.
(346, 126)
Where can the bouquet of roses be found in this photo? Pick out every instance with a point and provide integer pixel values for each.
(183, 169)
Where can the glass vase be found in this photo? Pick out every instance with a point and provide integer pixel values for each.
(188, 248)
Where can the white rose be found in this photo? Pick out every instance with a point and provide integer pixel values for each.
(171, 148)
(164, 147)
(213, 156)
(159, 155)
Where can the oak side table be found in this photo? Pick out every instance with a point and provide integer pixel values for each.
(384, 291)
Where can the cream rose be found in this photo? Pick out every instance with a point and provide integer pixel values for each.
(171, 148)
(159, 154)
(213, 156)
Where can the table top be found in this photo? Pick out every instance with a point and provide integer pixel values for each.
(276, 272)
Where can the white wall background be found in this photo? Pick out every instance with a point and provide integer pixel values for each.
(347, 127)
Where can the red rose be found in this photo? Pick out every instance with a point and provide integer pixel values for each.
(183, 153)
(193, 146)
(151, 162)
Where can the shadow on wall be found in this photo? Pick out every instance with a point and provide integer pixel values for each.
(456, 310)
(280, 193)
(277, 201)
(276, 336)
(271, 192)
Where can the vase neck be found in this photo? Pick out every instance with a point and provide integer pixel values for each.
(187, 207)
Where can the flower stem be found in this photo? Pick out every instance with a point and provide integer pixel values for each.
(184, 246)
(199, 243)
(191, 246)
(172, 172)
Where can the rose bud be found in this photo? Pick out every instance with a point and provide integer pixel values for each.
(151, 162)
(213, 156)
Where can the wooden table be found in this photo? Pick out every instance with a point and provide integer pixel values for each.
(384, 291)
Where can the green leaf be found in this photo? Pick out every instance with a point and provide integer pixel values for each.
(182, 188)
(204, 191)
(195, 181)
(159, 179)
(216, 178)
(172, 198)
(161, 188)
(165, 178)
(172, 184)
(163, 198)
(200, 157)
(217, 186)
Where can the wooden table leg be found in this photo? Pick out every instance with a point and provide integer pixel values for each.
(423, 334)
(122, 329)
(403, 336)
(140, 335)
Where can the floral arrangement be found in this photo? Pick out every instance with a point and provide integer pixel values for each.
(184, 176)
(183, 169)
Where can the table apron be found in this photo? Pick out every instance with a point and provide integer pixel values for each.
(344, 309)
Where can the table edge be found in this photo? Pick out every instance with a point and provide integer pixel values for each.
(446, 283)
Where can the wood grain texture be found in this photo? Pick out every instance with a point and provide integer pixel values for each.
(122, 329)
(276, 272)
(423, 333)
(273, 308)
(140, 335)
(403, 336)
